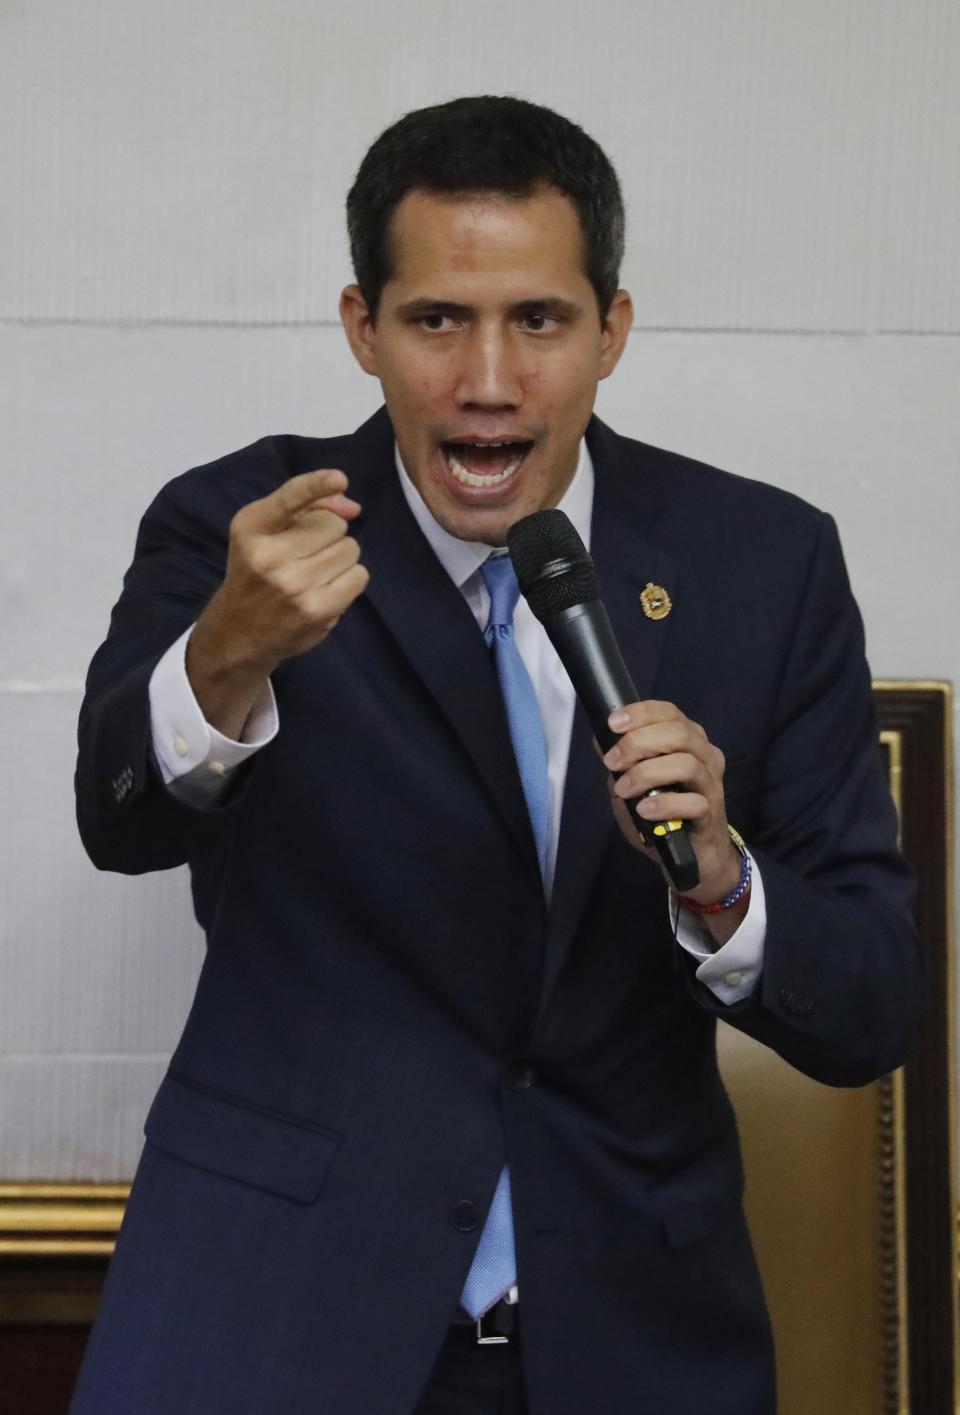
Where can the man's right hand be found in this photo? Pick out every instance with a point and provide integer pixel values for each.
(292, 570)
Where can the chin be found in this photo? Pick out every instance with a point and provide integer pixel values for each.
(485, 530)
(487, 524)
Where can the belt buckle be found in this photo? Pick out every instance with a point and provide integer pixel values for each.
(492, 1338)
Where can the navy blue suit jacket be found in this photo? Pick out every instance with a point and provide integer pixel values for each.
(388, 1011)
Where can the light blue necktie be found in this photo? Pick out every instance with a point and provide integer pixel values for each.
(494, 1268)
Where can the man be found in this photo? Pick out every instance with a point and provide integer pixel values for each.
(444, 1131)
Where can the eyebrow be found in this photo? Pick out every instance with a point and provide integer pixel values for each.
(550, 305)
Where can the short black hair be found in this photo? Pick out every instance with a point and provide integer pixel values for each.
(485, 144)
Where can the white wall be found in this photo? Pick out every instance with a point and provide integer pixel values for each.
(171, 227)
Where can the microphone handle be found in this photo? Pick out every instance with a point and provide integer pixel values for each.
(588, 650)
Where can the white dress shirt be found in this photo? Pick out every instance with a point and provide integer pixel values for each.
(194, 758)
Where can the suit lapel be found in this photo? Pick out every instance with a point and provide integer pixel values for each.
(432, 624)
(625, 509)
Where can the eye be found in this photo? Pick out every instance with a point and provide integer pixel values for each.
(435, 322)
(538, 321)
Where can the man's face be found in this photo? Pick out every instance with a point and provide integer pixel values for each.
(489, 347)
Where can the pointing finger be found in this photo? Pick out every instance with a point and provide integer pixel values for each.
(344, 506)
(278, 510)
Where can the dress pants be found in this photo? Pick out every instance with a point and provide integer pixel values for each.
(469, 1379)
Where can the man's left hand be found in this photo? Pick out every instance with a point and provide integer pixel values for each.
(660, 748)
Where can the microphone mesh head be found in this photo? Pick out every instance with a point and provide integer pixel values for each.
(552, 563)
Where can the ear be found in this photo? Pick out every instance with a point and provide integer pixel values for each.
(614, 333)
(356, 320)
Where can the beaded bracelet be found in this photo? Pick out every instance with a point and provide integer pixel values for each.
(737, 893)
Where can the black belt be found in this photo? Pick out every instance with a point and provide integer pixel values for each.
(495, 1327)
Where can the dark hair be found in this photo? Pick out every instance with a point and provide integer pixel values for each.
(485, 144)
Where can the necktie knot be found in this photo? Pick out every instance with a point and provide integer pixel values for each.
(500, 579)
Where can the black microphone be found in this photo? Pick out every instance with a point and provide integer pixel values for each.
(559, 582)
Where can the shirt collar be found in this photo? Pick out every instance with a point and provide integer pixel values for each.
(462, 558)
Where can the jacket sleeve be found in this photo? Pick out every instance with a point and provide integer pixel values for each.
(839, 993)
(129, 821)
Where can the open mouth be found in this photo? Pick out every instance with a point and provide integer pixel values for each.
(485, 463)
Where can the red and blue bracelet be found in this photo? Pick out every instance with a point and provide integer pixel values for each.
(741, 888)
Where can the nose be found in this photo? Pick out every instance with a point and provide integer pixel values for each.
(489, 373)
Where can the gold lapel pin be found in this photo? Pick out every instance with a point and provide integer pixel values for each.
(655, 601)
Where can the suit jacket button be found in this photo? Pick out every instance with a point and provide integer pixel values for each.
(465, 1216)
(520, 1075)
(796, 1003)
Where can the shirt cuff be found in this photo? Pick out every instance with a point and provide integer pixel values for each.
(731, 971)
(184, 743)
